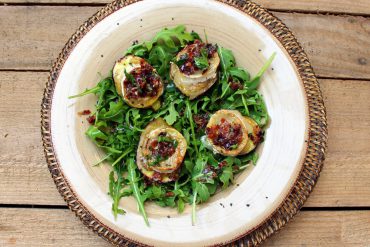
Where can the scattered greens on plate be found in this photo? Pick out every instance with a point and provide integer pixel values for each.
(177, 120)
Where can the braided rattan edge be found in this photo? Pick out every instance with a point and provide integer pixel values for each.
(316, 143)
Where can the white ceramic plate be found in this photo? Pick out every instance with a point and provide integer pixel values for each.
(261, 189)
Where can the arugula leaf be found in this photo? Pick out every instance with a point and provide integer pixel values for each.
(202, 61)
(227, 59)
(239, 73)
(132, 177)
(188, 165)
(130, 78)
(199, 167)
(254, 158)
(180, 205)
(172, 114)
(102, 160)
(129, 150)
(153, 192)
(193, 213)
(138, 50)
(195, 36)
(212, 188)
(226, 176)
(198, 187)
(165, 139)
(157, 191)
(160, 59)
(95, 134)
(117, 190)
(255, 82)
(191, 122)
(115, 112)
(93, 90)
(173, 37)
(202, 191)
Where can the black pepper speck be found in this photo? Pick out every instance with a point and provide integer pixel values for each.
(362, 61)
(247, 205)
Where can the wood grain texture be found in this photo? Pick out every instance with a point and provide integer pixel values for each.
(346, 228)
(345, 179)
(31, 38)
(335, 45)
(19, 227)
(24, 178)
(44, 227)
(24, 175)
(332, 6)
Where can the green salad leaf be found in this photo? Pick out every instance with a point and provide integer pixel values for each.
(116, 127)
(202, 61)
(133, 178)
(161, 50)
(117, 189)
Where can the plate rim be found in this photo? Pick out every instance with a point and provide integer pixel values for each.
(316, 142)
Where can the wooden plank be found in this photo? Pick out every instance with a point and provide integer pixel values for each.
(345, 179)
(332, 6)
(58, 227)
(44, 227)
(330, 228)
(360, 7)
(31, 37)
(24, 178)
(336, 45)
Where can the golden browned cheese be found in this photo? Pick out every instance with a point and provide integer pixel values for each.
(129, 63)
(198, 83)
(251, 132)
(165, 170)
(233, 117)
(254, 133)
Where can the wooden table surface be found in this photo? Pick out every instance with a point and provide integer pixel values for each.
(334, 33)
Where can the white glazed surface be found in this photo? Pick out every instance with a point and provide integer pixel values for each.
(264, 187)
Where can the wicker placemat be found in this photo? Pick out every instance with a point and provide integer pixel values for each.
(316, 142)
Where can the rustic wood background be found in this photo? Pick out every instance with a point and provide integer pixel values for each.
(334, 33)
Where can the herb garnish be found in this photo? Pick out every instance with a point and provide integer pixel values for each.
(202, 61)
